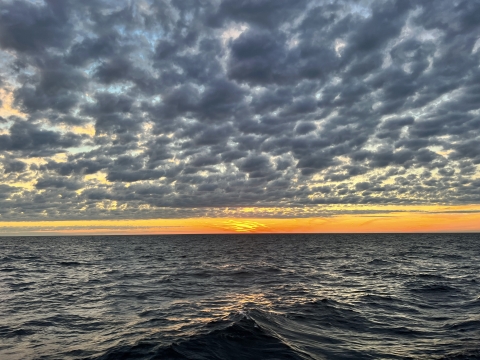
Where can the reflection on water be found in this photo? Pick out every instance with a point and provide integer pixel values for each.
(285, 296)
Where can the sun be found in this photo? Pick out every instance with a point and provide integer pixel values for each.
(244, 226)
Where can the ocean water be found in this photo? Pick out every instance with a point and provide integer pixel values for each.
(414, 296)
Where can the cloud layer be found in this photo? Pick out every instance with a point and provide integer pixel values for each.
(190, 108)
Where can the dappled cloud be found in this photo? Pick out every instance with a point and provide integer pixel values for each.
(239, 109)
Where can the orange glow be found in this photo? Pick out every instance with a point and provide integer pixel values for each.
(436, 219)
(239, 225)
(6, 103)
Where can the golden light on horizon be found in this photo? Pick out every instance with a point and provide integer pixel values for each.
(244, 226)
(430, 219)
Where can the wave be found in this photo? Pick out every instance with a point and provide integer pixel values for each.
(69, 263)
(473, 354)
(434, 288)
(379, 262)
(242, 338)
(312, 330)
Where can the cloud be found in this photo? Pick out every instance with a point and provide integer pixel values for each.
(28, 28)
(29, 139)
(195, 106)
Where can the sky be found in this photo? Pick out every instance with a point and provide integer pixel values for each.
(200, 116)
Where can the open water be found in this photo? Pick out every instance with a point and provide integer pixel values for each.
(241, 297)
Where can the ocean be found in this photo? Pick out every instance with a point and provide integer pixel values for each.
(318, 296)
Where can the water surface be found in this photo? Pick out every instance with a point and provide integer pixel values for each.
(241, 297)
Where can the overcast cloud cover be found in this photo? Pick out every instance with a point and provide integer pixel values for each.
(139, 109)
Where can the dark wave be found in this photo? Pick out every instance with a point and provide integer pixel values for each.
(241, 339)
(434, 288)
(69, 263)
(473, 354)
(312, 330)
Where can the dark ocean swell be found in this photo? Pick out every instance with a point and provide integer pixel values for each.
(239, 338)
(315, 332)
(241, 297)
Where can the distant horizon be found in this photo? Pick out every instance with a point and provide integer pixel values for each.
(439, 221)
(239, 116)
(240, 234)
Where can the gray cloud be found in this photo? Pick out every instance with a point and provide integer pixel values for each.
(29, 139)
(166, 108)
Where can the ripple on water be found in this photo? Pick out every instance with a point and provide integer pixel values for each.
(241, 297)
